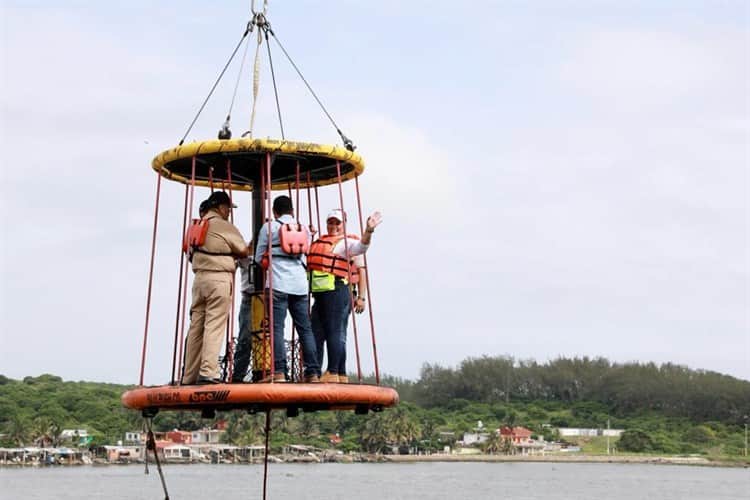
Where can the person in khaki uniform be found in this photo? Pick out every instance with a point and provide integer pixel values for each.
(214, 265)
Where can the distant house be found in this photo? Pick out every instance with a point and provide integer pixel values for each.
(520, 439)
(176, 453)
(206, 436)
(472, 438)
(516, 435)
(119, 454)
(76, 437)
(180, 437)
(71, 434)
(135, 437)
(578, 432)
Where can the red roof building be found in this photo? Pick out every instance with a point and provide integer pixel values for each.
(517, 435)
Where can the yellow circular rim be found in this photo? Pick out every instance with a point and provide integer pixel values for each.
(309, 150)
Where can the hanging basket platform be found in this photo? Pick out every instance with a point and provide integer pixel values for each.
(243, 159)
(261, 397)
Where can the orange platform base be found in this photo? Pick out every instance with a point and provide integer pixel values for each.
(261, 397)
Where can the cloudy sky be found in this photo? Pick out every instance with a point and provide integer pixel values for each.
(557, 178)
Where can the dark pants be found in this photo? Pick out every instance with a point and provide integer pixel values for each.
(330, 314)
(298, 308)
(244, 347)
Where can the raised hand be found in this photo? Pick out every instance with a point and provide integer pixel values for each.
(373, 221)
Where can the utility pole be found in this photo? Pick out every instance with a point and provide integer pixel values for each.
(608, 435)
(745, 435)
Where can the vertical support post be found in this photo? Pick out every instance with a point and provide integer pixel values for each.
(269, 184)
(348, 260)
(229, 349)
(185, 279)
(185, 218)
(369, 294)
(150, 277)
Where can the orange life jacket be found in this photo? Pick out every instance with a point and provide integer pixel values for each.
(294, 241)
(195, 238)
(196, 234)
(321, 258)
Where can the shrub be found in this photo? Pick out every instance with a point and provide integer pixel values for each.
(635, 440)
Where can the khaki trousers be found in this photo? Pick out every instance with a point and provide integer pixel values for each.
(208, 320)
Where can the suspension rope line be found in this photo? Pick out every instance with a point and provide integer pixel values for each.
(237, 84)
(347, 142)
(248, 29)
(273, 79)
(256, 83)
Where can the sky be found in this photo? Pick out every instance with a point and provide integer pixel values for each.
(557, 178)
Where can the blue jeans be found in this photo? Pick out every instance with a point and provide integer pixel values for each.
(330, 314)
(244, 347)
(297, 306)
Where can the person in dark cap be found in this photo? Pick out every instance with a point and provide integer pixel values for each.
(214, 266)
(203, 208)
(289, 289)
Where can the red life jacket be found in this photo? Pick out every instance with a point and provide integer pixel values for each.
(195, 238)
(321, 258)
(294, 241)
(196, 235)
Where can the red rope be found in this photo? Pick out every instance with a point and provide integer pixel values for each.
(269, 186)
(264, 294)
(309, 219)
(348, 260)
(292, 371)
(179, 288)
(296, 188)
(317, 209)
(309, 201)
(185, 279)
(229, 350)
(369, 294)
(150, 277)
(294, 329)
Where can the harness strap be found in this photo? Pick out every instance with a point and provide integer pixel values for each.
(226, 254)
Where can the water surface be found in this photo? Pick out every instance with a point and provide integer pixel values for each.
(433, 481)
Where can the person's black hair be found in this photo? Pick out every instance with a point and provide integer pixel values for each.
(282, 205)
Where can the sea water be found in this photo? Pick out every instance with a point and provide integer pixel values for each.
(363, 481)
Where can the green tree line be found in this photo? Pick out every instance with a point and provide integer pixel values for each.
(665, 409)
(625, 389)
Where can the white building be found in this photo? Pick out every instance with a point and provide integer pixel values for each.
(206, 436)
(577, 432)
